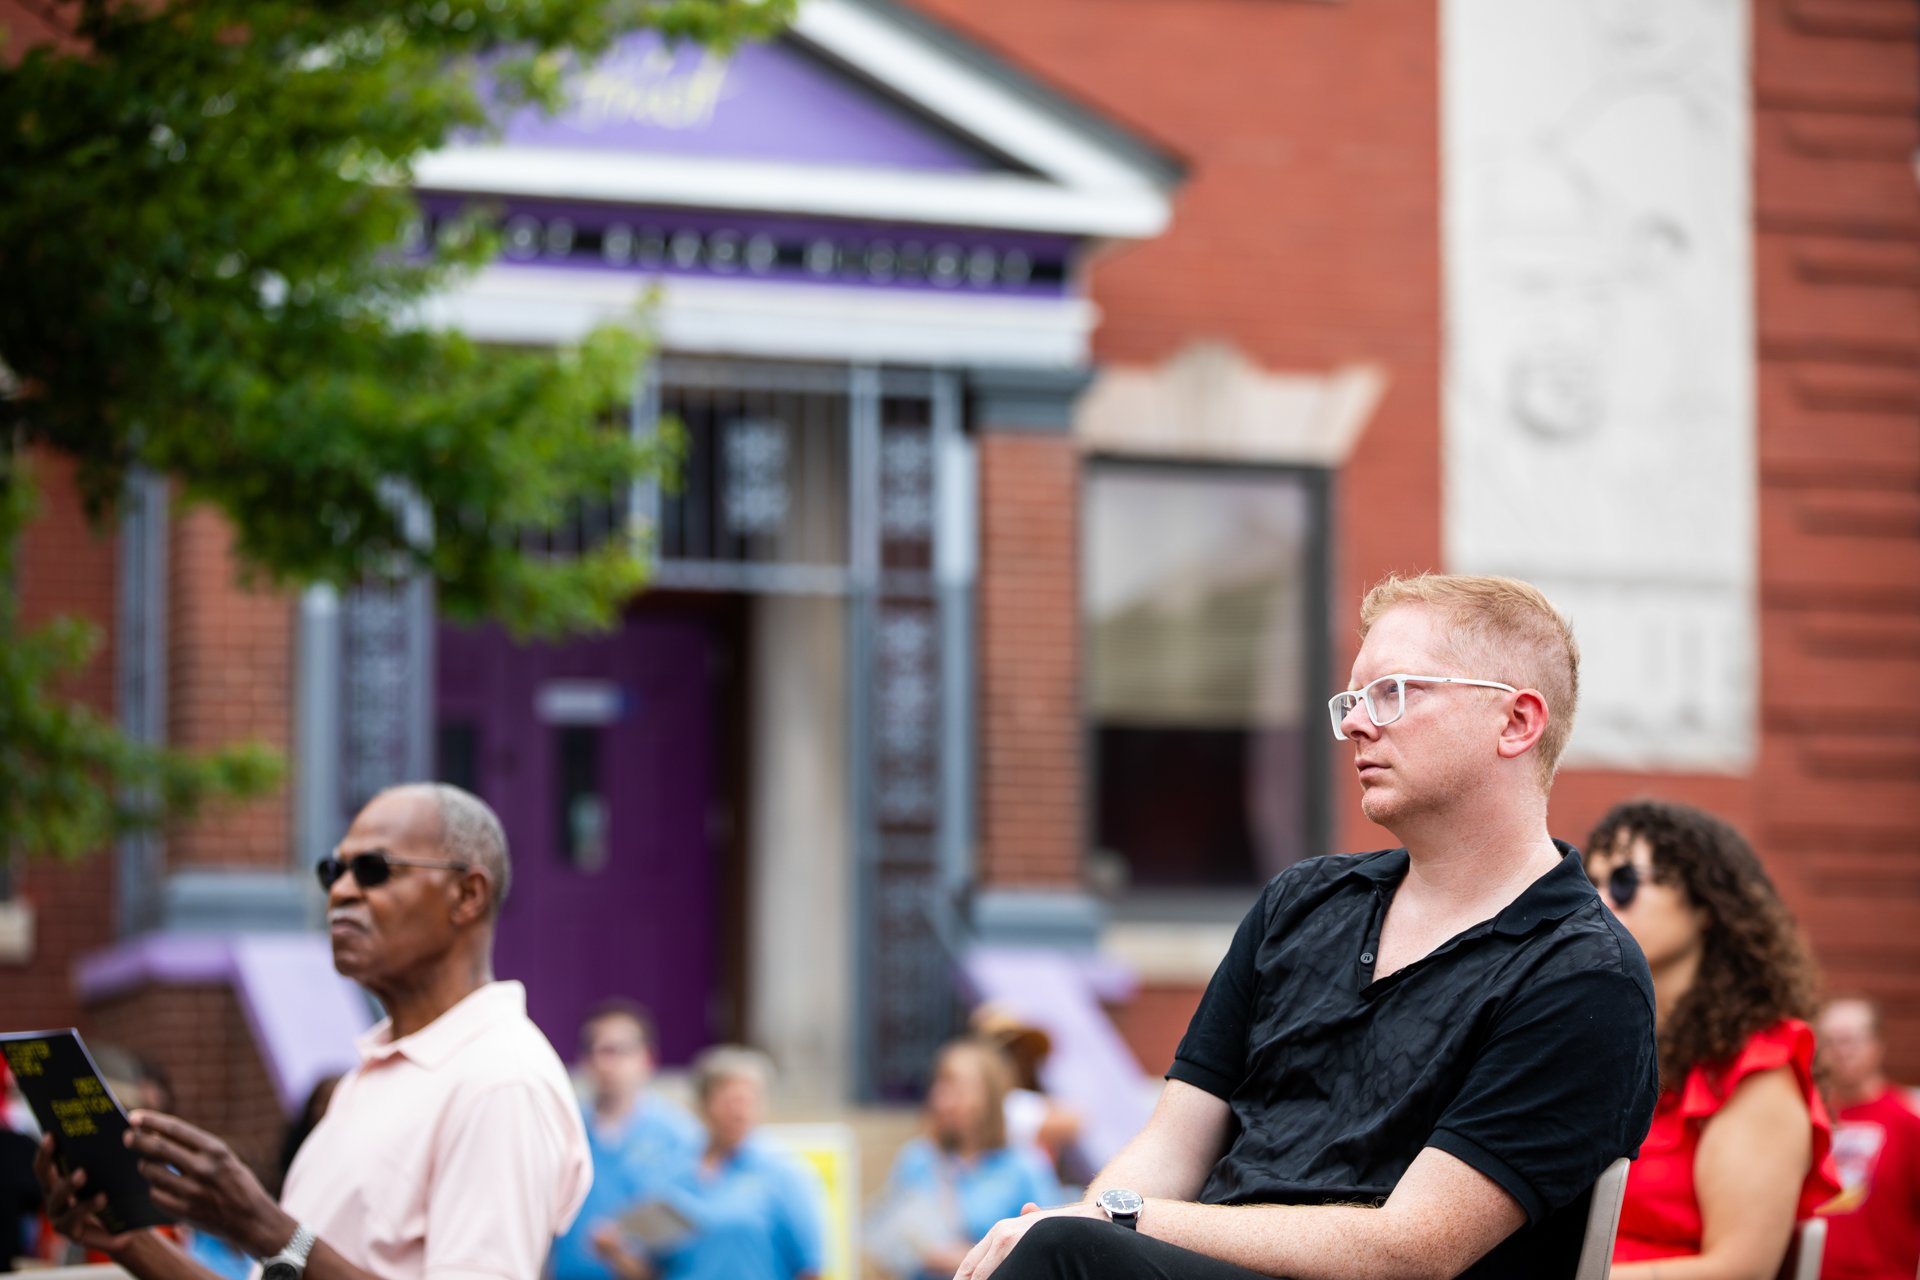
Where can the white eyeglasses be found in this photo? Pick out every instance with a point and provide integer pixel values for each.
(1386, 698)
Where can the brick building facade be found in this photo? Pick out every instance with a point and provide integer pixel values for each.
(1304, 262)
(1307, 234)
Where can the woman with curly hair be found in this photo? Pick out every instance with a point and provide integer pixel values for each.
(1739, 1148)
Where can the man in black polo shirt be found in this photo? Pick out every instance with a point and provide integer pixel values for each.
(1413, 1062)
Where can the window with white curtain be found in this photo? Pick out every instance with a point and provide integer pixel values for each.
(1205, 622)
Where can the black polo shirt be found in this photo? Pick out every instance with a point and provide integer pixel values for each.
(1523, 1046)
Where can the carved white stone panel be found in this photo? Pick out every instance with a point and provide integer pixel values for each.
(1599, 430)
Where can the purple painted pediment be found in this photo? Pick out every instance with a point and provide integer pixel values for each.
(774, 101)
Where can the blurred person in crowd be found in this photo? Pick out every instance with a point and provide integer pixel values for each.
(1873, 1228)
(1739, 1148)
(19, 1190)
(639, 1140)
(156, 1087)
(1415, 1061)
(1033, 1118)
(752, 1212)
(454, 1148)
(948, 1189)
(301, 1127)
(137, 1081)
(134, 1080)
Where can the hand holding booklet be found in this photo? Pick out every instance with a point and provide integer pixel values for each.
(70, 1099)
(656, 1224)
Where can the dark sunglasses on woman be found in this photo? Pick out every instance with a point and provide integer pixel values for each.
(372, 868)
(1623, 884)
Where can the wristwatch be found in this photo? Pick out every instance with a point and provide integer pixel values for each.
(291, 1262)
(1122, 1207)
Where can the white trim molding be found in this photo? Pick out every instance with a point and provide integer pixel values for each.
(528, 305)
(1210, 402)
(997, 200)
(963, 95)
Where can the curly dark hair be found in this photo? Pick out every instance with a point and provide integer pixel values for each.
(1755, 968)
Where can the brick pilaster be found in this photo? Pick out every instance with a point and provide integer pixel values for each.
(230, 662)
(1032, 770)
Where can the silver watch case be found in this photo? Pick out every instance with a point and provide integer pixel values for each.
(1121, 1206)
(291, 1262)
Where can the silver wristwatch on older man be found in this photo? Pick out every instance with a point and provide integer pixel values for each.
(291, 1262)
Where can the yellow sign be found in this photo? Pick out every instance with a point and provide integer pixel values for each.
(829, 1150)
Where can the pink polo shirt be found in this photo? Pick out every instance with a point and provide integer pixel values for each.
(456, 1151)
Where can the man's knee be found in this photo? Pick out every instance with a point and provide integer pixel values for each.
(1067, 1234)
(1063, 1248)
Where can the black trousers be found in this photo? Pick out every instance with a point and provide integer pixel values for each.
(1088, 1249)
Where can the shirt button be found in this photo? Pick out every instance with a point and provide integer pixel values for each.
(1366, 957)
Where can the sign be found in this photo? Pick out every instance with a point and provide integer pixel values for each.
(586, 703)
(830, 1151)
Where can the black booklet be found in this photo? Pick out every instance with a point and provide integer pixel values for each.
(72, 1102)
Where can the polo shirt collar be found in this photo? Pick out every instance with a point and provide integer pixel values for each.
(437, 1042)
(1553, 896)
(1387, 866)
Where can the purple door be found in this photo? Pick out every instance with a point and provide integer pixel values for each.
(598, 755)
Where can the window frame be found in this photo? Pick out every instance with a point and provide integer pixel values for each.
(1208, 906)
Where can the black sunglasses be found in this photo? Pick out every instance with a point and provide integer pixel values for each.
(1623, 885)
(372, 868)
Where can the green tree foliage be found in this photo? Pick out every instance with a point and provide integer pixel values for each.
(70, 781)
(203, 208)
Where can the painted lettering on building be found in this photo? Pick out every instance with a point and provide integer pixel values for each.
(654, 88)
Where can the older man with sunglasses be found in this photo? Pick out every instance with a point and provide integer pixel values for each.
(1411, 1063)
(455, 1149)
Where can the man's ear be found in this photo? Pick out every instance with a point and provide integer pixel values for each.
(473, 896)
(1526, 721)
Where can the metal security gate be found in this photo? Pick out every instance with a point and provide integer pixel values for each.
(853, 482)
(858, 483)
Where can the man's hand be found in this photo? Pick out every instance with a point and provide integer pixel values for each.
(985, 1258)
(197, 1177)
(74, 1213)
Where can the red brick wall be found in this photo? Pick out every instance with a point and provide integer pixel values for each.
(199, 1036)
(65, 568)
(1031, 788)
(1307, 231)
(1836, 796)
(230, 659)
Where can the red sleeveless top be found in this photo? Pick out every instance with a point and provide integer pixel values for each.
(1661, 1216)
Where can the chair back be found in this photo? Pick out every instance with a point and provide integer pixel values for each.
(1603, 1220)
(1803, 1251)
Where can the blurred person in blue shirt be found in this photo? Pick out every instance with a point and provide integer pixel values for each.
(639, 1141)
(749, 1211)
(947, 1189)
